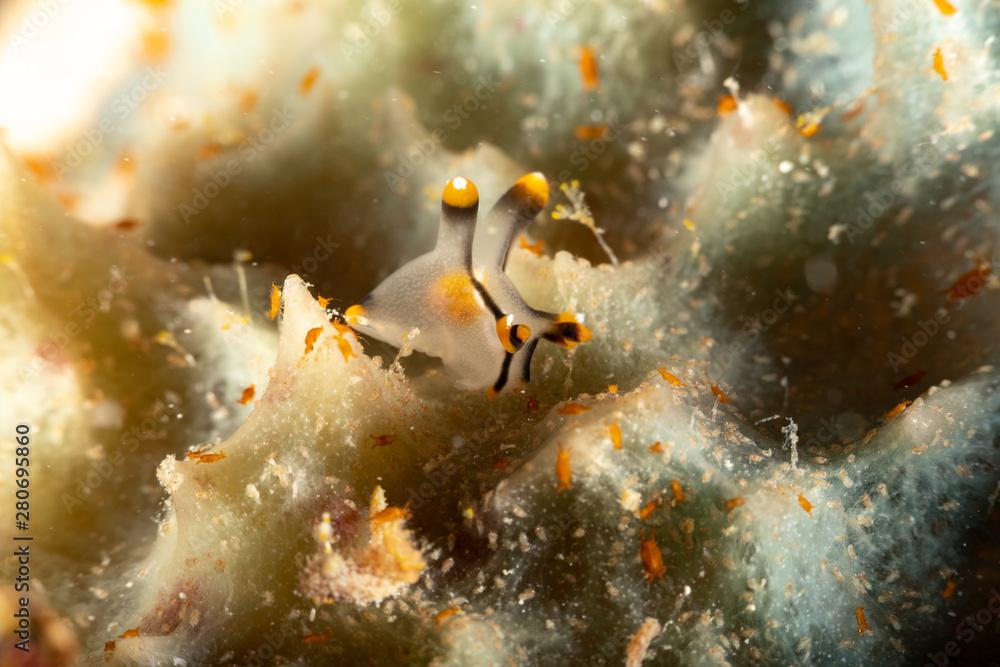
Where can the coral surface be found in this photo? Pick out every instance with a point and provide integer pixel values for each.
(778, 220)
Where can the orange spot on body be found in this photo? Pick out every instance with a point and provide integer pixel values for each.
(939, 64)
(389, 515)
(648, 509)
(677, 490)
(564, 471)
(805, 505)
(532, 405)
(896, 411)
(155, 45)
(727, 105)
(445, 614)
(652, 558)
(454, 297)
(308, 81)
(863, 627)
(670, 377)
(719, 394)
(248, 100)
(247, 395)
(109, 646)
(201, 456)
(275, 302)
(969, 283)
(782, 105)
(536, 248)
(570, 409)
(615, 432)
(383, 440)
(946, 7)
(126, 224)
(40, 167)
(315, 639)
(733, 503)
(949, 589)
(311, 337)
(591, 131)
(656, 447)
(129, 634)
(587, 62)
(808, 126)
(323, 301)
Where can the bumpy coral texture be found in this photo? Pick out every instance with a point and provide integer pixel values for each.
(780, 445)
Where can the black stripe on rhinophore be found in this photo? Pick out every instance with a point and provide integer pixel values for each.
(529, 353)
(504, 371)
(487, 299)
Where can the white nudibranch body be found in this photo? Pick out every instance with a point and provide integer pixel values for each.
(468, 311)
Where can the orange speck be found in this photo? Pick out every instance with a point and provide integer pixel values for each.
(807, 126)
(67, 200)
(573, 409)
(615, 432)
(677, 489)
(383, 440)
(805, 504)
(126, 163)
(344, 346)
(656, 447)
(220, 565)
(537, 248)
(208, 151)
(109, 646)
(783, 105)
(275, 302)
(652, 558)
(591, 131)
(308, 81)
(670, 377)
(863, 627)
(532, 405)
(612, 389)
(939, 64)
(719, 394)
(311, 337)
(587, 63)
(688, 223)
(946, 7)
(733, 503)
(390, 515)
(648, 509)
(564, 472)
(727, 105)
(248, 100)
(201, 456)
(155, 45)
(129, 634)
(898, 409)
(247, 396)
(40, 167)
(969, 283)
(445, 614)
(323, 301)
(949, 589)
(315, 639)
(126, 224)
(501, 463)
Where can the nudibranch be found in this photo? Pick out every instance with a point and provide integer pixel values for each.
(457, 303)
